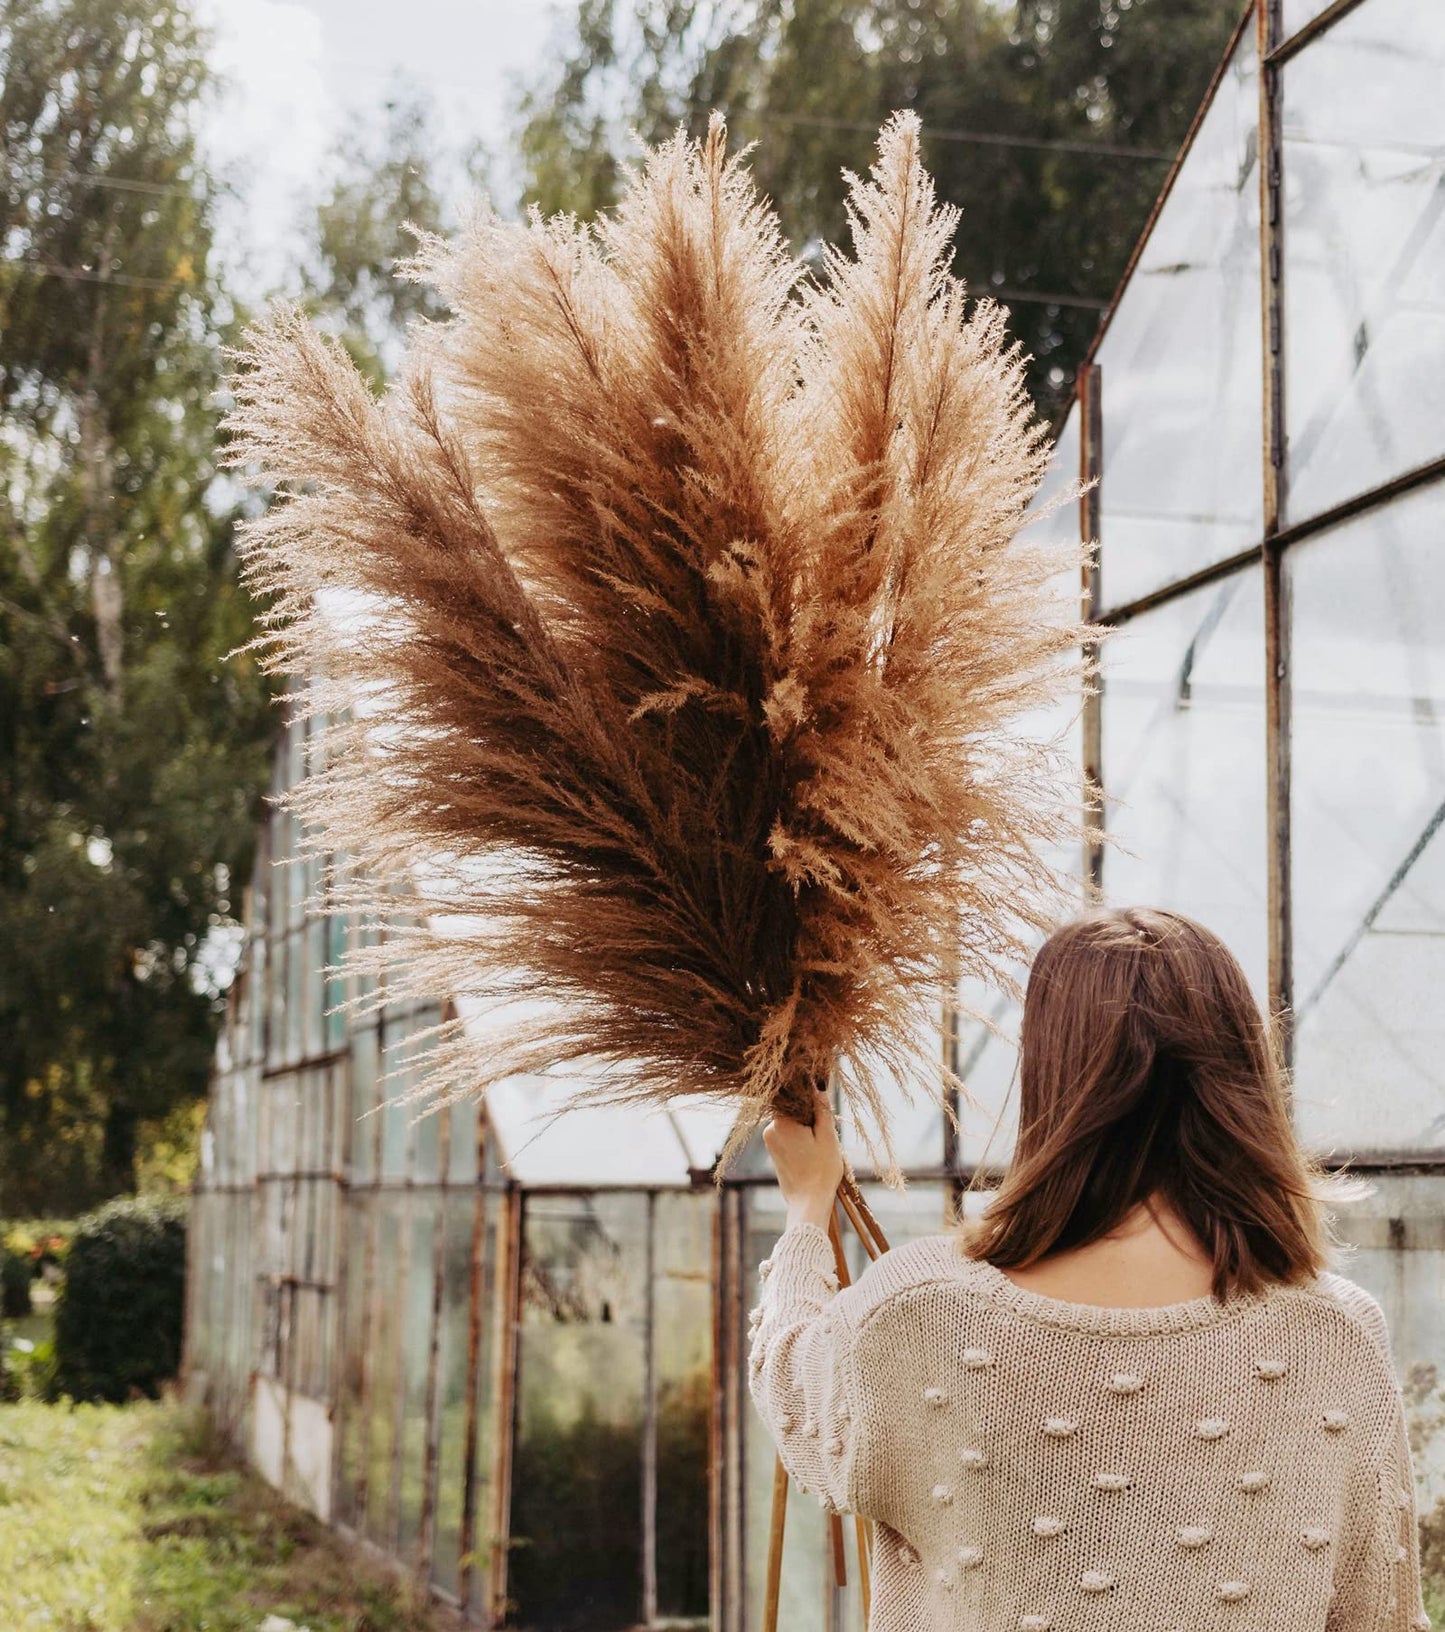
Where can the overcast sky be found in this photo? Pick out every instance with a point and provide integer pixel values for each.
(296, 67)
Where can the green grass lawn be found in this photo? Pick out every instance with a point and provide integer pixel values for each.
(126, 1519)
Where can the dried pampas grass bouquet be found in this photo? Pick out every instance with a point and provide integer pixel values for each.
(665, 622)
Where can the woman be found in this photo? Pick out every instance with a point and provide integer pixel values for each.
(1132, 1395)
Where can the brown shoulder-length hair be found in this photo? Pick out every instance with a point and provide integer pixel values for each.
(1148, 1071)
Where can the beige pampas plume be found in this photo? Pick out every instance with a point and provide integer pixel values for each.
(671, 611)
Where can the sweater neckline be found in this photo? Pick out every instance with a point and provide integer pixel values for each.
(1146, 1320)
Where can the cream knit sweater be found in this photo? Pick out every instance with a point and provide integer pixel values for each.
(1035, 1465)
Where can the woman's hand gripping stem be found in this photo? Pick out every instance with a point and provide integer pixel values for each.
(809, 1163)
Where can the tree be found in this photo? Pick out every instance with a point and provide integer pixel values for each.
(1105, 87)
(132, 759)
(387, 173)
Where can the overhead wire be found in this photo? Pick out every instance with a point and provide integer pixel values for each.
(944, 134)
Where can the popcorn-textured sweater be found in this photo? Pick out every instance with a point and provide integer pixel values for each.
(1035, 1465)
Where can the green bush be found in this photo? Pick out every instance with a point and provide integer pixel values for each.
(118, 1321)
(12, 1381)
(16, 1273)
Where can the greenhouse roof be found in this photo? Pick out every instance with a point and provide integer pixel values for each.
(547, 1140)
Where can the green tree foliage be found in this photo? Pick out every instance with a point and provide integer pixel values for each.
(812, 80)
(118, 1322)
(132, 757)
(387, 169)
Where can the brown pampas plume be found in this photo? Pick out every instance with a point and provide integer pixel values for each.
(666, 618)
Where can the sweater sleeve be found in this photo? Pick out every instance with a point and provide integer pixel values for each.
(801, 1371)
(1377, 1584)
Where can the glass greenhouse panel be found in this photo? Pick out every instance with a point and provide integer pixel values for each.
(1062, 521)
(547, 1142)
(1368, 828)
(1398, 1253)
(337, 927)
(313, 943)
(397, 1077)
(1296, 13)
(494, 1323)
(1364, 273)
(453, 1358)
(363, 1127)
(416, 1297)
(988, 1064)
(987, 1058)
(426, 1150)
(350, 1402)
(915, 1116)
(1180, 364)
(682, 1313)
(1183, 764)
(577, 1460)
(384, 1386)
(294, 993)
(462, 1140)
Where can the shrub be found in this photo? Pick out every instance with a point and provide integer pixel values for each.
(118, 1321)
(16, 1273)
(12, 1382)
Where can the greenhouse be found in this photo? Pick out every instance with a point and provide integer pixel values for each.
(506, 1346)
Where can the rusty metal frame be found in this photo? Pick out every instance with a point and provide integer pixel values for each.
(1090, 389)
(427, 1523)
(506, 1396)
(1276, 572)
(649, 1420)
(716, 1425)
(466, 1568)
(480, 1307)
(343, 1260)
(398, 1359)
(1283, 50)
(368, 1322)
(731, 1358)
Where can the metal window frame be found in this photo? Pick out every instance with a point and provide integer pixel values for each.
(1279, 534)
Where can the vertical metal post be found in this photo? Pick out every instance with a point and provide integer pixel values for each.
(426, 1531)
(370, 1314)
(952, 1059)
(508, 1396)
(395, 1297)
(1276, 584)
(649, 1422)
(716, 1529)
(1091, 463)
(467, 1542)
(336, 1393)
(477, 1312)
(730, 1358)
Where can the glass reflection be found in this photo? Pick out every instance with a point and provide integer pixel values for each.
(416, 1341)
(1364, 272)
(1183, 761)
(682, 1226)
(1296, 13)
(1396, 1253)
(1368, 808)
(576, 1492)
(1181, 365)
(384, 1386)
(351, 1462)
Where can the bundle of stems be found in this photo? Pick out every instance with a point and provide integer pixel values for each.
(668, 623)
